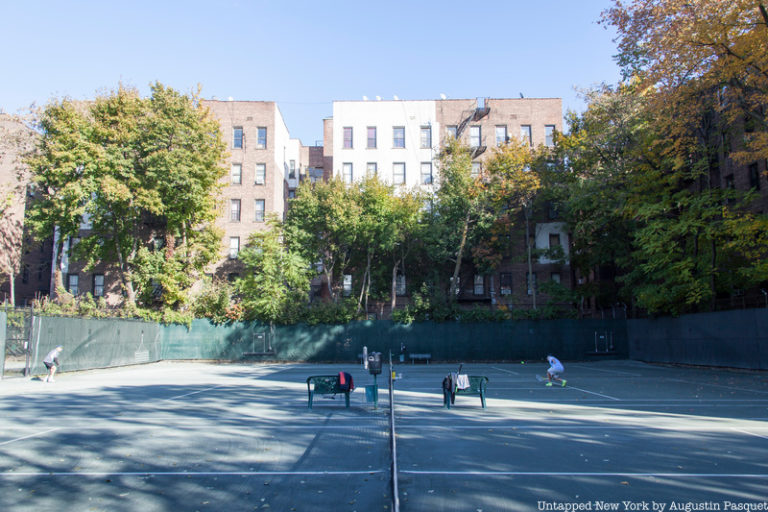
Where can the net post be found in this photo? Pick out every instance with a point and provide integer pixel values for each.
(392, 441)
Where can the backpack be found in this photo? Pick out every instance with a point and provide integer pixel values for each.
(346, 383)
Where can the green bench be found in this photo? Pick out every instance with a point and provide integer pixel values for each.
(325, 385)
(477, 387)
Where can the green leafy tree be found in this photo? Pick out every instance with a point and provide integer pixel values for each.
(276, 279)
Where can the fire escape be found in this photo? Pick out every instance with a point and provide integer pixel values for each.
(470, 116)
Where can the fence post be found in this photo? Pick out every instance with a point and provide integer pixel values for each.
(28, 342)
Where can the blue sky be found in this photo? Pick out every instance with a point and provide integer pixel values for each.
(305, 54)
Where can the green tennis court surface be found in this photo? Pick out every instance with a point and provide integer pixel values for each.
(191, 436)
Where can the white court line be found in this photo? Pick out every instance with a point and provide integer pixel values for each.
(194, 392)
(718, 386)
(567, 473)
(750, 433)
(188, 473)
(505, 371)
(606, 371)
(30, 435)
(593, 393)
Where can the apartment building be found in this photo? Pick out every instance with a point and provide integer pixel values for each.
(265, 166)
(398, 141)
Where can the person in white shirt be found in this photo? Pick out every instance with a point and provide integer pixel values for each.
(51, 361)
(554, 371)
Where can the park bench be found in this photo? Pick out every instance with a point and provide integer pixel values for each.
(325, 385)
(477, 387)
(420, 357)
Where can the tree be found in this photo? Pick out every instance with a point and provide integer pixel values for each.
(276, 278)
(513, 182)
(124, 162)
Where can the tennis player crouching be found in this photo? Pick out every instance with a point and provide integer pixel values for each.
(51, 362)
(554, 371)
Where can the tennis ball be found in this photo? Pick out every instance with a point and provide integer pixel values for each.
(522, 362)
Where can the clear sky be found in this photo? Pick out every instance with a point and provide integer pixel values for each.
(304, 54)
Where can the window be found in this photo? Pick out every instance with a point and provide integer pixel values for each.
(426, 173)
(398, 173)
(525, 134)
(554, 240)
(501, 135)
(371, 169)
(234, 247)
(555, 277)
(237, 174)
(346, 287)
(398, 137)
(347, 172)
(400, 285)
(292, 169)
(426, 137)
(477, 169)
(234, 210)
(531, 280)
(553, 211)
(261, 137)
(292, 194)
(453, 131)
(98, 285)
(371, 139)
(475, 137)
(754, 176)
(72, 284)
(237, 137)
(261, 174)
(258, 208)
(505, 283)
(347, 137)
(549, 135)
(479, 288)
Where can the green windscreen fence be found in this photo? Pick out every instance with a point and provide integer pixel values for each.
(104, 343)
(90, 343)
(2, 342)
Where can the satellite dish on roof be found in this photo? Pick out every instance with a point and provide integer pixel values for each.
(443, 96)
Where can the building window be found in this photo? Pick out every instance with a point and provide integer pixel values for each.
(426, 173)
(72, 284)
(479, 287)
(346, 287)
(426, 137)
(549, 135)
(505, 283)
(531, 280)
(234, 210)
(398, 137)
(98, 285)
(371, 138)
(258, 208)
(477, 169)
(261, 174)
(292, 194)
(347, 172)
(398, 173)
(475, 138)
(371, 169)
(237, 174)
(292, 169)
(234, 247)
(754, 177)
(261, 137)
(400, 285)
(453, 131)
(237, 137)
(347, 137)
(554, 240)
(525, 134)
(555, 277)
(501, 135)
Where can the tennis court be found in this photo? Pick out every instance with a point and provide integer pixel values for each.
(195, 436)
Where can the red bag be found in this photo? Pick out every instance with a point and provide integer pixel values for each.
(346, 383)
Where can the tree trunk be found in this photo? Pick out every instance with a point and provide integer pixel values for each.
(12, 286)
(58, 278)
(459, 256)
(393, 301)
(531, 282)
